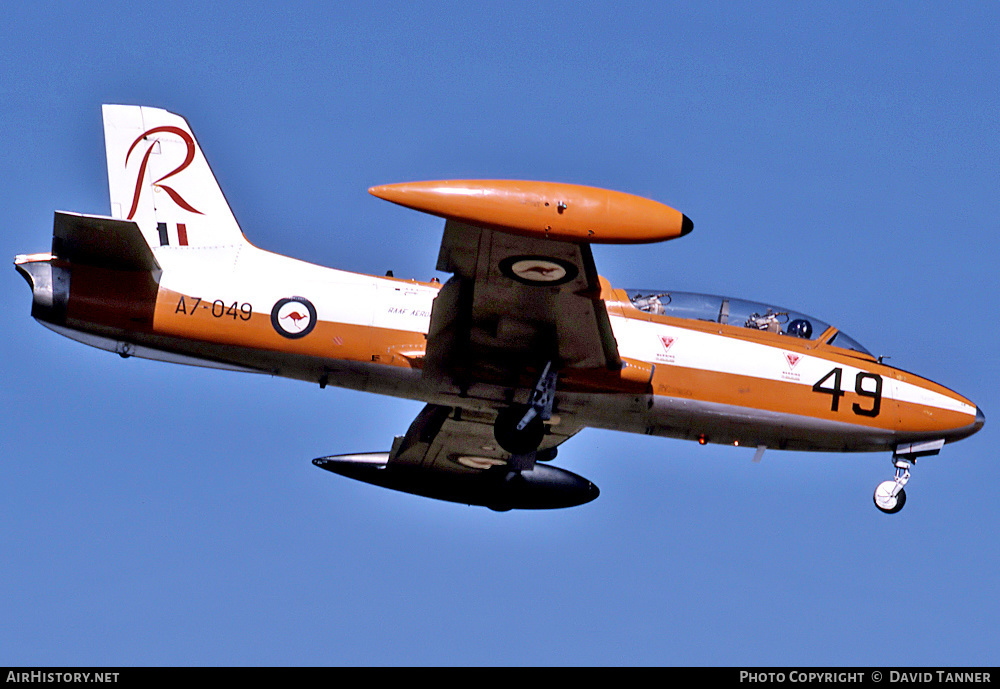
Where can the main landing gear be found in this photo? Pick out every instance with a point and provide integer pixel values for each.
(889, 495)
(519, 429)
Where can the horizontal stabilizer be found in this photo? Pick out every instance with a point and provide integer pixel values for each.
(100, 241)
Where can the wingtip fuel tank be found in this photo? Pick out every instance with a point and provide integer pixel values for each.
(552, 210)
(542, 487)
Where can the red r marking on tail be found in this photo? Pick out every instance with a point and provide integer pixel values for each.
(178, 199)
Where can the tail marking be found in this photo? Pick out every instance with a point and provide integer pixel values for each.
(188, 159)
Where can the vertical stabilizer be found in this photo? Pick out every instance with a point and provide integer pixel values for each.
(159, 178)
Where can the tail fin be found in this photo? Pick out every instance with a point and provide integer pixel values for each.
(159, 178)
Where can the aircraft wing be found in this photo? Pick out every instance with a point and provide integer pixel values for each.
(515, 302)
(458, 440)
(523, 305)
(525, 291)
(450, 454)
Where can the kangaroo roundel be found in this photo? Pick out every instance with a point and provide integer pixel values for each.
(538, 270)
(293, 317)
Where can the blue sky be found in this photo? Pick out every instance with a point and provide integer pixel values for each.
(840, 159)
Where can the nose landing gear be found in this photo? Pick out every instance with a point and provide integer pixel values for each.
(890, 496)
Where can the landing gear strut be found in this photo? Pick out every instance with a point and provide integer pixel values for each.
(520, 429)
(890, 496)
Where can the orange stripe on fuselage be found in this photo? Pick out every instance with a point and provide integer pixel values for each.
(801, 400)
(185, 317)
(814, 348)
(227, 323)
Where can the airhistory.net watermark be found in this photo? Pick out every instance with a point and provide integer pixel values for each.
(61, 677)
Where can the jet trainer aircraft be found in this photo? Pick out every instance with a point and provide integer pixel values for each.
(523, 347)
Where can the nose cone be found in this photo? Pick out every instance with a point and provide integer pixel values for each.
(686, 226)
(969, 429)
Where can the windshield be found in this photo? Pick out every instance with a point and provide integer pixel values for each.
(738, 312)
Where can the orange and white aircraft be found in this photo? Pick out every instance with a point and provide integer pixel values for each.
(523, 347)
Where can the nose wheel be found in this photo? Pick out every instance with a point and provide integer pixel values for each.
(886, 501)
(889, 495)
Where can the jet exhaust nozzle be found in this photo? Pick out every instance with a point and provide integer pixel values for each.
(49, 287)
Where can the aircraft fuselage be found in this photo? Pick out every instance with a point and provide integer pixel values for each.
(706, 381)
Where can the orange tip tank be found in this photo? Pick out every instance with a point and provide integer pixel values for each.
(552, 210)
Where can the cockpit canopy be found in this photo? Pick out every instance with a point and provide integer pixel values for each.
(739, 313)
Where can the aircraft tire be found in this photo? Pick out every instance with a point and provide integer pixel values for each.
(889, 506)
(512, 440)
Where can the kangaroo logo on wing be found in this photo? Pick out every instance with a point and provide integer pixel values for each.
(538, 270)
(293, 317)
(158, 184)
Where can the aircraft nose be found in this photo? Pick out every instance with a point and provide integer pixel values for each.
(980, 418)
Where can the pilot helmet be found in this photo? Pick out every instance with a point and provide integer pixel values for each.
(800, 327)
